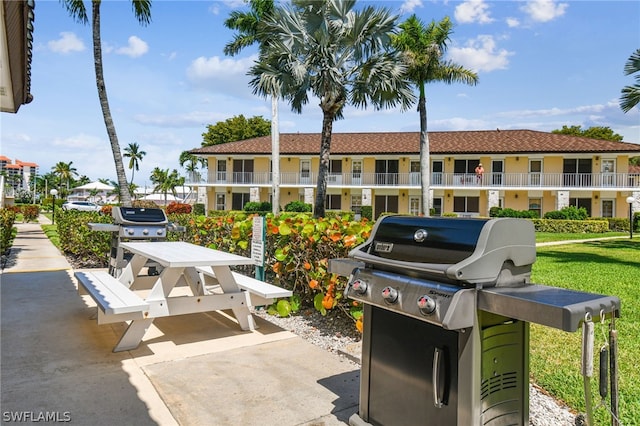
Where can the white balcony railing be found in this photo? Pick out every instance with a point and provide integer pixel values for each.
(438, 180)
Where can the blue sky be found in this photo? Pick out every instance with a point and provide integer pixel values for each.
(541, 64)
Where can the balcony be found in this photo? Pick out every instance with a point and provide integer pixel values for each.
(586, 181)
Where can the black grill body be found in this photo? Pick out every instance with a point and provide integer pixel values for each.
(447, 305)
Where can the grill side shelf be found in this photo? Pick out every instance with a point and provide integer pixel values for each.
(550, 306)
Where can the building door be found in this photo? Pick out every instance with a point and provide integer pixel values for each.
(221, 171)
(356, 172)
(386, 203)
(305, 171)
(437, 170)
(414, 173)
(577, 172)
(239, 199)
(608, 172)
(387, 172)
(535, 172)
(464, 172)
(242, 171)
(497, 172)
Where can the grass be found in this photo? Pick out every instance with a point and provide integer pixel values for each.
(609, 267)
(545, 237)
(51, 231)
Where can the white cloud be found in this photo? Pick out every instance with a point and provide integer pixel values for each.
(210, 68)
(191, 119)
(473, 11)
(513, 22)
(408, 6)
(544, 10)
(135, 48)
(481, 54)
(68, 42)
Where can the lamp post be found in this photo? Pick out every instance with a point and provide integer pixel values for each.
(53, 193)
(630, 200)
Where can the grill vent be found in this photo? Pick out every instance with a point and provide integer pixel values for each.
(499, 383)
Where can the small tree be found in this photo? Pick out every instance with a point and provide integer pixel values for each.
(236, 129)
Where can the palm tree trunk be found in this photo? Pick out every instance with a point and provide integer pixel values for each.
(275, 156)
(425, 171)
(325, 150)
(125, 195)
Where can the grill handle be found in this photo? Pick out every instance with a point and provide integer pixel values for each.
(438, 354)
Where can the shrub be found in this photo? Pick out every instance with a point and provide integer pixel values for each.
(524, 214)
(175, 207)
(91, 247)
(257, 206)
(298, 206)
(198, 209)
(571, 226)
(568, 213)
(106, 209)
(146, 204)
(30, 212)
(494, 211)
(7, 219)
(366, 212)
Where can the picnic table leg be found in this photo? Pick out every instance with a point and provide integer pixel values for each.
(229, 285)
(133, 335)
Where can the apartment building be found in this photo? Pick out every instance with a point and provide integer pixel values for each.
(18, 175)
(523, 170)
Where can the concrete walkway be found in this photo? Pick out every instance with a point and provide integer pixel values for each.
(57, 362)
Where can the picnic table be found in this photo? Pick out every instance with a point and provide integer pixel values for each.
(206, 272)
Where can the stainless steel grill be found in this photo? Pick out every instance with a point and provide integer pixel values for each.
(447, 306)
(133, 223)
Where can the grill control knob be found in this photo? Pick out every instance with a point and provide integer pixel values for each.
(160, 231)
(130, 231)
(145, 231)
(359, 287)
(426, 305)
(390, 294)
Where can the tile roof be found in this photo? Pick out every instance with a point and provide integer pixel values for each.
(441, 143)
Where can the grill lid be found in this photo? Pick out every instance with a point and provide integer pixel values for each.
(463, 251)
(138, 216)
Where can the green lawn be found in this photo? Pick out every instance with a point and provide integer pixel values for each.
(606, 267)
(545, 237)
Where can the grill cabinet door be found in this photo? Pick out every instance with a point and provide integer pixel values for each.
(401, 369)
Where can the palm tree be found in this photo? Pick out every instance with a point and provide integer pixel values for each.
(65, 172)
(191, 163)
(423, 48)
(631, 94)
(78, 11)
(337, 54)
(247, 26)
(166, 182)
(134, 154)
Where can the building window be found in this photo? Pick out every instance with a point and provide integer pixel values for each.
(535, 205)
(332, 202)
(466, 204)
(607, 208)
(221, 201)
